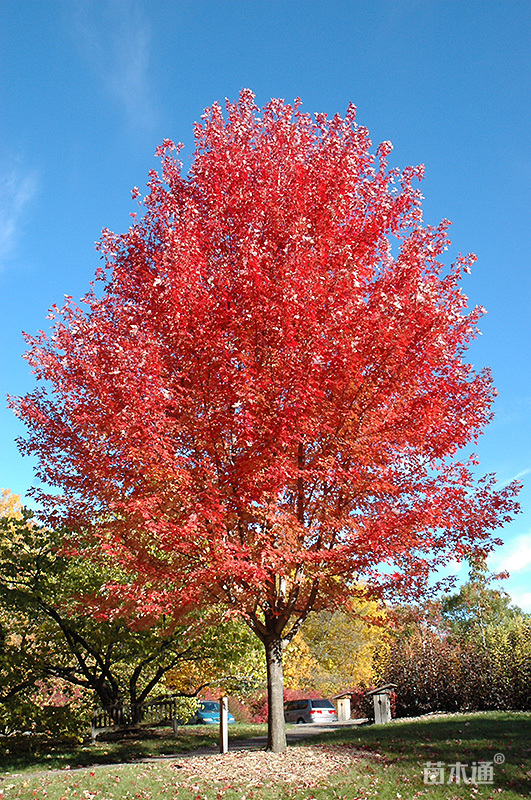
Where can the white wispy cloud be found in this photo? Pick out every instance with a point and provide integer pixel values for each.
(115, 38)
(515, 556)
(17, 188)
(522, 599)
(517, 477)
(522, 474)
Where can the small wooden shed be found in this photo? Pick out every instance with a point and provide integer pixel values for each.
(382, 702)
(343, 706)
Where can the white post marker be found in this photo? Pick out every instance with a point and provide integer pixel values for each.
(224, 724)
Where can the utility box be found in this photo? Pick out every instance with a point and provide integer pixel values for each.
(382, 703)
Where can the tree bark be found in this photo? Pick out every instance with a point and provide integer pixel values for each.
(276, 727)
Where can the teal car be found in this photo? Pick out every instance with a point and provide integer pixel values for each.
(208, 712)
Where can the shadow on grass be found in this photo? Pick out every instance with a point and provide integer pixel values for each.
(19, 753)
(466, 738)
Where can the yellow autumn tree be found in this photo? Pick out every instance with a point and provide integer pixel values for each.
(336, 651)
(301, 669)
(10, 505)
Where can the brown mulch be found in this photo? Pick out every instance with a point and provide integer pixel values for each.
(305, 766)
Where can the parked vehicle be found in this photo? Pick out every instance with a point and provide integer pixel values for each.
(310, 710)
(208, 713)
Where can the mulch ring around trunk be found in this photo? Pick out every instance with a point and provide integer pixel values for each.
(305, 766)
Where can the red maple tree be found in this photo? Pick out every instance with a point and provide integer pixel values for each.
(262, 401)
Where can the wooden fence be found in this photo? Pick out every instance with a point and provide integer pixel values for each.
(122, 717)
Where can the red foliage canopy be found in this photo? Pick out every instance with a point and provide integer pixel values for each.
(263, 399)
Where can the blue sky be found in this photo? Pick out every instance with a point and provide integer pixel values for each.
(89, 88)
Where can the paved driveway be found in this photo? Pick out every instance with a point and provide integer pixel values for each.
(294, 734)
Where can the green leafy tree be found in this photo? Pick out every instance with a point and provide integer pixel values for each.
(479, 605)
(54, 628)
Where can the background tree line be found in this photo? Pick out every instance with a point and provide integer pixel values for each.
(471, 651)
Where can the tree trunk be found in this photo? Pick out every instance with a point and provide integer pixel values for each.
(276, 727)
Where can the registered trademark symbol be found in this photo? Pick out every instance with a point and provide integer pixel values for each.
(499, 758)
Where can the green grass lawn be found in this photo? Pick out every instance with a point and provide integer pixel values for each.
(390, 763)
